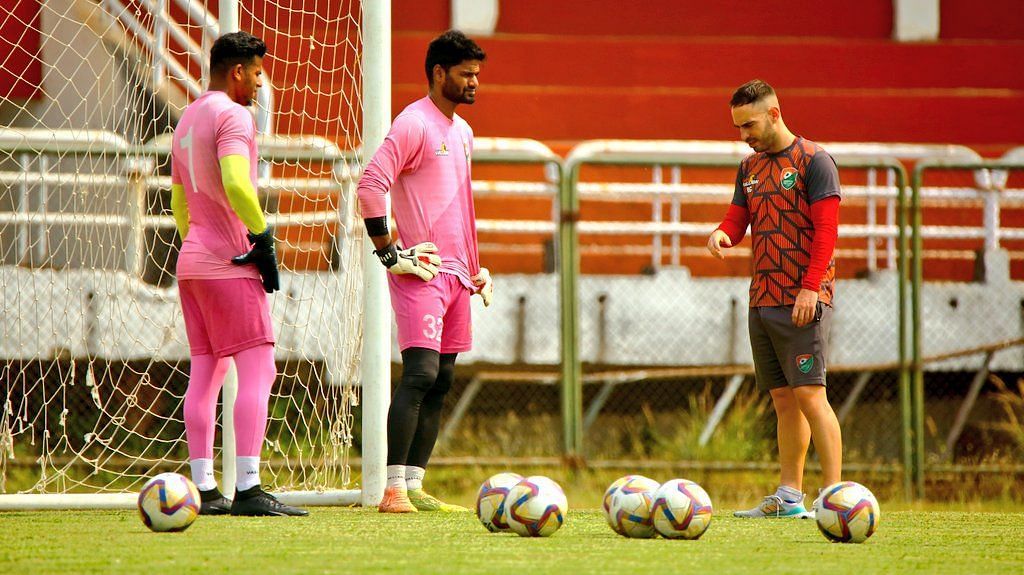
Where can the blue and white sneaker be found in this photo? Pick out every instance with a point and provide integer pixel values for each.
(774, 507)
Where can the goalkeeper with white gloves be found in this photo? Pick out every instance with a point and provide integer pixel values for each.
(424, 162)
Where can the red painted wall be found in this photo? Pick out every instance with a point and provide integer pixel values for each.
(988, 20)
(574, 88)
(423, 15)
(816, 18)
(21, 73)
(566, 70)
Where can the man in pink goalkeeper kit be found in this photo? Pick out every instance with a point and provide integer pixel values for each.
(425, 163)
(227, 261)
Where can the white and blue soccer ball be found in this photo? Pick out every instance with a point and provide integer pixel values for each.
(490, 500)
(681, 510)
(629, 512)
(606, 501)
(535, 507)
(169, 502)
(847, 512)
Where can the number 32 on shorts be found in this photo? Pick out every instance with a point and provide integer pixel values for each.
(432, 327)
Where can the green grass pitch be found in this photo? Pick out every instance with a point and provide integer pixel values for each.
(334, 540)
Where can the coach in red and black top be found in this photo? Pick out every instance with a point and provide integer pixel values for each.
(788, 192)
(780, 195)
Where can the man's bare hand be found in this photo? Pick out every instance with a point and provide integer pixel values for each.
(716, 241)
(805, 307)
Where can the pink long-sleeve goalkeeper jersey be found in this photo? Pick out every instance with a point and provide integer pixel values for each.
(211, 128)
(425, 163)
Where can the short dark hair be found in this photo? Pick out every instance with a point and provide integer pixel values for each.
(450, 49)
(752, 91)
(235, 48)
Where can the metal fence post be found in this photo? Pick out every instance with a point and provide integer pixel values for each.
(905, 368)
(569, 269)
(917, 279)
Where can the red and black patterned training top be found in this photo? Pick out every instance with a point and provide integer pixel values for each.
(778, 190)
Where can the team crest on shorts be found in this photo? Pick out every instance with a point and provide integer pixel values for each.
(804, 362)
(788, 178)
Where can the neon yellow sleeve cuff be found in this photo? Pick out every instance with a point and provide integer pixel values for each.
(179, 208)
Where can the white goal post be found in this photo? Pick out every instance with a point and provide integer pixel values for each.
(93, 359)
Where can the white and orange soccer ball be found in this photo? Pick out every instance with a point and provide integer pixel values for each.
(535, 507)
(490, 500)
(681, 510)
(630, 509)
(847, 513)
(169, 502)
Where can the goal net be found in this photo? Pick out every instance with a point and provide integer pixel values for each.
(94, 360)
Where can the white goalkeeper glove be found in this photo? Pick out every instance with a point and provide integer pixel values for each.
(420, 260)
(484, 285)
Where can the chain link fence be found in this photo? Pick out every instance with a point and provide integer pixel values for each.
(663, 339)
(669, 349)
(666, 372)
(969, 307)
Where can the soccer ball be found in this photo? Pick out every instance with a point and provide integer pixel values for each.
(847, 513)
(169, 502)
(490, 500)
(681, 510)
(606, 502)
(535, 507)
(630, 510)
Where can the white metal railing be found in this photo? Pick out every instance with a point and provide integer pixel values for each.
(1014, 154)
(155, 40)
(879, 190)
(1001, 177)
(165, 64)
(132, 169)
(24, 146)
(135, 167)
(873, 194)
(518, 151)
(674, 191)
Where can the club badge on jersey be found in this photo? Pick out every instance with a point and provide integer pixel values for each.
(788, 178)
(442, 151)
(749, 183)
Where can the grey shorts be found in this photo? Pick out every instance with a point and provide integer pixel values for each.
(786, 355)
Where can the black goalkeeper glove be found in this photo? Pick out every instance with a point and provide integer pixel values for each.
(264, 256)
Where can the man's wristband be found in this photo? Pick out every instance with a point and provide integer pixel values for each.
(388, 255)
(377, 226)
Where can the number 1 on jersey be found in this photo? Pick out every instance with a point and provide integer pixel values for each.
(186, 144)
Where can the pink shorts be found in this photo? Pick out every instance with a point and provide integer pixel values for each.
(225, 316)
(433, 315)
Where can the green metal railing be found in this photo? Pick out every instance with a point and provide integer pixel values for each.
(917, 360)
